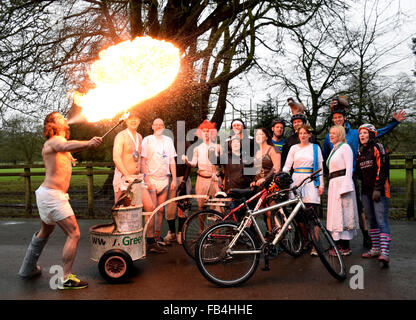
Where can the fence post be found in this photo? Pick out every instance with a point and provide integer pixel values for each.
(410, 198)
(90, 188)
(28, 192)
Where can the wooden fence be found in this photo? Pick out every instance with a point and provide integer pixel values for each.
(89, 171)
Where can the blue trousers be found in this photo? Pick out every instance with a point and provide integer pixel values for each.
(377, 212)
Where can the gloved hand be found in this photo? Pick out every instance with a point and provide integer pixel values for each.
(376, 195)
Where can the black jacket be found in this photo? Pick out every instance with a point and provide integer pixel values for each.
(372, 168)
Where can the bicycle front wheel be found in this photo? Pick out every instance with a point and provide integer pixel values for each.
(193, 227)
(220, 267)
(291, 242)
(328, 251)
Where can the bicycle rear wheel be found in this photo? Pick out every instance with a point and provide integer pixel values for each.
(291, 242)
(327, 251)
(219, 267)
(194, 225)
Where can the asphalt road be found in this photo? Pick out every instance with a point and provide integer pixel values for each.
(174, 276)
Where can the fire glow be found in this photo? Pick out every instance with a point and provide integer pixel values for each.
(126, 74)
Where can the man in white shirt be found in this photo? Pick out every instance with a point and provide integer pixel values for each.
(158, 164)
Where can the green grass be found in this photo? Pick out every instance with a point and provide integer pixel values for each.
(12, 189)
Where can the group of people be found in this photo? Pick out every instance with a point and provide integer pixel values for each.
(348, 155)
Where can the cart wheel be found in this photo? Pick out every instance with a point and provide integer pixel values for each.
(114, 265)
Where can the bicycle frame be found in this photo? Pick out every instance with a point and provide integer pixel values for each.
(248, 219)
(262, 194)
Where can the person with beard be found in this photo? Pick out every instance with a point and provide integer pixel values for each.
(158, 166)
(52, 199)
(278, 129)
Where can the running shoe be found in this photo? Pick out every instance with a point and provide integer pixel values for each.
(384, 260)
(71, 283)
(373, 253)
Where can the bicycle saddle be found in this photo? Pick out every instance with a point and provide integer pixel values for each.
(240, 193)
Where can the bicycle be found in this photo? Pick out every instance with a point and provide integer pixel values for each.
(228, 253)
(199, 221)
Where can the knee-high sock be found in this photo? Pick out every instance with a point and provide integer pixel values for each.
(171, 224)
(181, 221)
(375, 239)
(385, 244)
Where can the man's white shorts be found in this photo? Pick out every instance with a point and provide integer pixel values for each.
(53, 205)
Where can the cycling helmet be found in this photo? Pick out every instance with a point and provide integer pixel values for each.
(299, 116)
(283, 180)
(371, 129)
(279, 120)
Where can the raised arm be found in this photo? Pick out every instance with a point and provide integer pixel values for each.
(60, 144)
(397, 119)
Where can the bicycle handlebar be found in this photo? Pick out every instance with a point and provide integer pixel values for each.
(311, 177)
(294, 188)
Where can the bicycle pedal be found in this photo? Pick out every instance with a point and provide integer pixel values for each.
(266, 264)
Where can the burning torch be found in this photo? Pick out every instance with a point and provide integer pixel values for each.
(122, 119)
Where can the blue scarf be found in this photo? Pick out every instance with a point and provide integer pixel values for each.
(315, 162)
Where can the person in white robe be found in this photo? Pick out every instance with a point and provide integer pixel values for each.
(342, 213)
(306, 158)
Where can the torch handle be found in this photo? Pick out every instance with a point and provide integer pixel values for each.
(120, 122)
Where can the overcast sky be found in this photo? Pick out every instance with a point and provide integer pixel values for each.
(256, 91)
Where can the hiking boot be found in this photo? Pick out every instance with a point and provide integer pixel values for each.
(170, 237)
(156, 248)
(179, 238)
(373, 253)
(71, 283)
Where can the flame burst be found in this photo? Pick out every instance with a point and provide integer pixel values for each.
(126, 74)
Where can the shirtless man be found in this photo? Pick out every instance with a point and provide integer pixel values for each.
(126, 155)
(52, 199)
(127, 159)
(204, 157)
